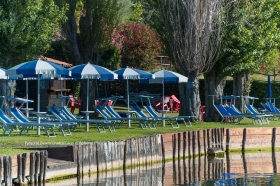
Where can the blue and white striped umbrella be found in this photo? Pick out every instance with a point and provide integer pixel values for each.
(166, 76)
(3, 73)
(91, 71)
(38, 69)
(132, 73)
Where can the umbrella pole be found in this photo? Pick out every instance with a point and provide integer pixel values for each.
(87, 113)
(87, 92)
(38, 105)
(163, 111)
(26, 90)
(61, 90)
(127, 92)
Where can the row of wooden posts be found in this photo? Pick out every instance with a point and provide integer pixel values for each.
(98, 156)
(37, 168)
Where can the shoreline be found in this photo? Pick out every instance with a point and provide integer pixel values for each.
(134, 152)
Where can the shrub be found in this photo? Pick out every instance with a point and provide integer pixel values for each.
(140, 47)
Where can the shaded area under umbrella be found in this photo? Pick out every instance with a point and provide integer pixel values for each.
(131, 74)
(166, 76)
(90, 71)
(38, 69)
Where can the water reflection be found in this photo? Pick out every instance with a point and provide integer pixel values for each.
(233, 169)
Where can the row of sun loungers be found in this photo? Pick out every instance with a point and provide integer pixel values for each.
(145, 121)
(64, 121)
(231, 114)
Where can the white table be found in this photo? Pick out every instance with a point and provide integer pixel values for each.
(38, 114)
(163, 112)
(129, 113)
(27, 110)
(87, 117)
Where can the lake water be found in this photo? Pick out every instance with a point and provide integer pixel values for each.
(233, 169)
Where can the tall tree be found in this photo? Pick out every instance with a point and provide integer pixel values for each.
(250, 40)
(193, 32)
(26, 30)
(89, 32)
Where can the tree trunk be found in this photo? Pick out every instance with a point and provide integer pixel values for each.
(5, 90)
(241, 87)
(214, 85)
(189, 96)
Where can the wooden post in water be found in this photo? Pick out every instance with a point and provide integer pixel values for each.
(204, 141)
(244, 139)
(244, 162)
(274, 163)
(193, 143)
(227, 139)
(7, 161)
(222, 138)
(214, 137)
(41, 172)
(273, 138)
(45, 164)
(189, 143)
(179, 145)
(79, 163)
(1, 171)
(19, 168)
(174, 146)
(124, 155)
(90, 156)
(37, 160)
(23, 166)
(198, 142)
(163, 148)
(208, 138)
(83, 158)
(218, 138)
(31, 168)
(184, 144)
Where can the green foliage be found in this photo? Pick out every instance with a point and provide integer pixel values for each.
(59, 50)
(125, 10)
(110, 58)
(251, 37)
(27, 29)
(141, 46)
(135, 15)
(152, 17)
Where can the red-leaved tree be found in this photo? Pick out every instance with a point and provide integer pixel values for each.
(140, 47)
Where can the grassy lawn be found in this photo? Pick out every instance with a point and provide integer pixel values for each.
(17, 144)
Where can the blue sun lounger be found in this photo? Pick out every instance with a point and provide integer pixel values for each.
(108, 112)
(174, 120)
(9, 125)
(100, 124)
(226, 116)
(268, 110)
(143, 122)
(20, 117)
(233, 111)
(107, 116)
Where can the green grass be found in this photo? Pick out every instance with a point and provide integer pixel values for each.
(17, 144)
